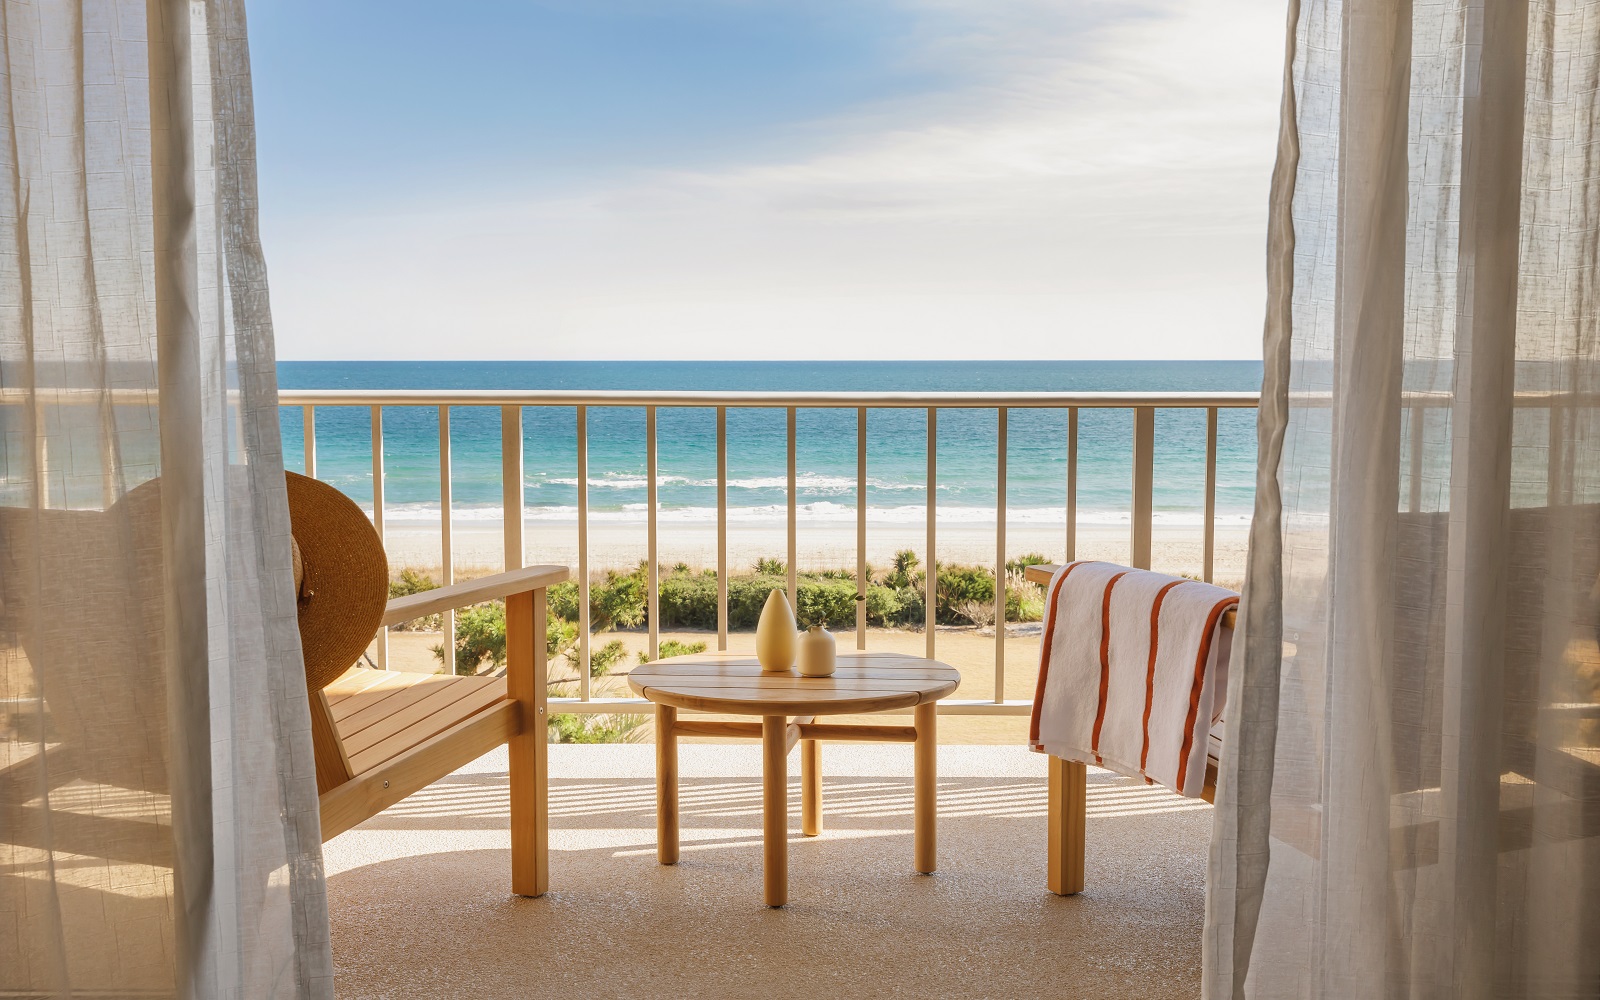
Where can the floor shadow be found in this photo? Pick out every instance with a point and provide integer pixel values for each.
(439, 921)
(482, 801)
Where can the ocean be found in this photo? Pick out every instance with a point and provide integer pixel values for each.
(757, 463)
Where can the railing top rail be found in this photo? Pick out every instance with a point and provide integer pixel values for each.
(697, 397)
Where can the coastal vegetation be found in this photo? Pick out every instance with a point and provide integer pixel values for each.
(895, 598)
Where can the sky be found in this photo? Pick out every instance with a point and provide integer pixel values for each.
(754, 179)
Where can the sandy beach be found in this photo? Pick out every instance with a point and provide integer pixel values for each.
(479, 545)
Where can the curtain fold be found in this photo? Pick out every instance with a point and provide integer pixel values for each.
(1409, 804)
(159, 832)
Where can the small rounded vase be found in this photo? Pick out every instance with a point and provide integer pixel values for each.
(817, 653)
(775, 633)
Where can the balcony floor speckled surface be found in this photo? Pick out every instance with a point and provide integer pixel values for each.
(420, 902)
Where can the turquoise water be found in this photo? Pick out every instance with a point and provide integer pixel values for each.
(757, 462)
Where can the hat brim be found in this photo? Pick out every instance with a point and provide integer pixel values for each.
(346, 578)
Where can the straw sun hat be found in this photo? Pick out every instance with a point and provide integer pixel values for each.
(341, 577)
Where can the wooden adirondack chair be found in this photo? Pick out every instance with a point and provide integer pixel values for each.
(1563, 766)
(1069, 786)
(378, 736)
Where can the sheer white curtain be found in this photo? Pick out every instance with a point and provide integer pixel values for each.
(158, 810)
(1410, 796)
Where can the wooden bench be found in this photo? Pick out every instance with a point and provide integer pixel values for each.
(1068, 788)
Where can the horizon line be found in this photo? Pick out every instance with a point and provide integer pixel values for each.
(737, 361)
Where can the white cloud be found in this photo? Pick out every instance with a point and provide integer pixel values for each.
(1096, 190)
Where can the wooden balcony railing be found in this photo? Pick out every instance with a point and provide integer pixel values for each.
(511, 404)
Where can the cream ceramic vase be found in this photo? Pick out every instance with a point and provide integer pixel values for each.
(775, 633)
(817, 653)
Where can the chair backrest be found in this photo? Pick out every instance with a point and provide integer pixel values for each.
(81, 594)
(1553, 564)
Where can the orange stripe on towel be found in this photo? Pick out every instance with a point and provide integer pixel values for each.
(1105, 664)
(1199, 679)
(1150, 672)
(1044, 654)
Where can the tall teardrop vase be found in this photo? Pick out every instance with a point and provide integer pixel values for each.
(775, 633)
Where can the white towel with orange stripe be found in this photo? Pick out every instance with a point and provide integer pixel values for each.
(1132, 672)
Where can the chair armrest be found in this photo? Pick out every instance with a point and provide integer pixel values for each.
(458, 595)
(1043, 573)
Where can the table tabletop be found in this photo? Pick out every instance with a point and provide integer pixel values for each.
(735, 684)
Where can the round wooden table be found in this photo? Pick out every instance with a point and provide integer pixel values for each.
(788, 704)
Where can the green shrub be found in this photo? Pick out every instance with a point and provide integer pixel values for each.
(566, 728)
(747, 596)
(961, 586)
(603, 659)
(827, 601)
(688, 601)
(618, 602)
(905, 568)
(561, 638)
(411, 582)
(673, 647)
(770, 567)
(481, 635)
(1025, 560)
(1024, 600)
(883, 606)
(563, 601)
(912, 603)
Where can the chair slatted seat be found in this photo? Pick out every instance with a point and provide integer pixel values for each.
(415, 710)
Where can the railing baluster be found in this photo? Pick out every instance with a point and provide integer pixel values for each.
(382, 646)
(583, 553)
(110, 456)
(1555, 489)
(930, 573)
(447, 561)
(1144, 449)
(1210, 543)
(722, 527)
(1072, 484)
(41, 454)
(511, 483)
(309, 433)
(1418, 426)
(861, 527)
(1000, 557)
(653, 569)
(793, 572)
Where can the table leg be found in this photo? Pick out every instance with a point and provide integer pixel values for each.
(811, 787)
(666, 785)
(925, 779)
(775, 808)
